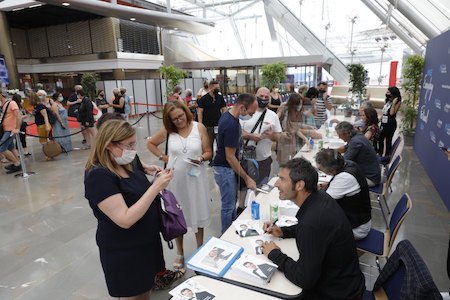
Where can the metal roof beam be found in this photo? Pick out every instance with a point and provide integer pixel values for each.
(394, 27)
(416, 18)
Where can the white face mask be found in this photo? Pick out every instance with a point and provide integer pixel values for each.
(245, 117)
(60, 99)
(126, 158)
(276, 90)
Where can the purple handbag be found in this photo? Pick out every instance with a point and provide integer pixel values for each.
(172, 219)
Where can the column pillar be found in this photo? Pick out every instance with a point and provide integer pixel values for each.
(7, 50)
(119, 74)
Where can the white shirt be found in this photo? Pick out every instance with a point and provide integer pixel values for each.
(343, 184)
(271, 121)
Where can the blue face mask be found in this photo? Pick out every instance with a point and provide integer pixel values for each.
(245, 117)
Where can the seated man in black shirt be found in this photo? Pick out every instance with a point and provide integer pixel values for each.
(328, 266)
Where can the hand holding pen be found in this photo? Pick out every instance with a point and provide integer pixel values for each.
(272, 229)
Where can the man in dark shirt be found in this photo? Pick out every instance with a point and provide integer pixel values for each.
(360, 150)
(210, 108)
(226, 162)
(328, 266)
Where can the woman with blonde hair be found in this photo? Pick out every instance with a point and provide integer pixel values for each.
(41, 116)
(125, 204)
(187, 148)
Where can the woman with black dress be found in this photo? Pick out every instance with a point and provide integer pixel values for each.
(86, 118)
(123, 201)
(388, 120)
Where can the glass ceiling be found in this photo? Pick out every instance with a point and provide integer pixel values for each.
(372, 42)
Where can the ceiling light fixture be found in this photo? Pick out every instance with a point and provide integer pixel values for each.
(35, 5)
(132, 19)
(65, 4)
(18, 8)
(175, 28)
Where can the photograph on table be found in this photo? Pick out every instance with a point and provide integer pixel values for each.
(254, 269)
(214, 257)
(248, 227)
(257, 242)
(190, 290)
(286, 221)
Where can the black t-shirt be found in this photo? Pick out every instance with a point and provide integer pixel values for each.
(99, 184)
(38, 118)
(99, 102)
(211, 109)
(73, 109)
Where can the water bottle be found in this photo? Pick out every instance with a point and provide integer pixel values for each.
(311, 143)
(273, 211)
(255, 210)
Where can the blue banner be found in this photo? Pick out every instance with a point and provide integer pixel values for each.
(433, 120)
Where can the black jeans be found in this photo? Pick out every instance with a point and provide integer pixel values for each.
(387, 132)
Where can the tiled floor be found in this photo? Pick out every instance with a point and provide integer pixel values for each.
(47, 230)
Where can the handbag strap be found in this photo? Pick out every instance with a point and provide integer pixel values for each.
(4, 112)
(167, 148)
(258, 123)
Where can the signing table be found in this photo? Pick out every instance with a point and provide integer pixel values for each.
(279, 286)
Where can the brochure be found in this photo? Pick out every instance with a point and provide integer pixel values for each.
(248, 227)
(214, 257)
(254, 269)
(190, 290)
(286, 221)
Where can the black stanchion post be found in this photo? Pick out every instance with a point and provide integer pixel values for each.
(24, 173)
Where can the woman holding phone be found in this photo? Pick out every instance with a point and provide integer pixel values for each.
(187, 148)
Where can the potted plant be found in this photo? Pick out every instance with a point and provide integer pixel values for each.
(273, 74)
(412, 77)
(172, 75)
(88, 82)
(357, 80)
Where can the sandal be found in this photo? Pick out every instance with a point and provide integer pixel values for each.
(178, 264)
(166, 278)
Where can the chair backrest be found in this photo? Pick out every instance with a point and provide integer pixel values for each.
(399, 214)
(393, 284)
(391, 172)
(405, 273)
(395, 145)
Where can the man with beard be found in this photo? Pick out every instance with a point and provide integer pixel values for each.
(210, 108)
(328, 266)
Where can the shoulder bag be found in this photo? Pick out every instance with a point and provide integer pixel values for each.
(3, 118)
(172, 222)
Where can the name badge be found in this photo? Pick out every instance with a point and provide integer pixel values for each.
(216, 129)
(384, 119)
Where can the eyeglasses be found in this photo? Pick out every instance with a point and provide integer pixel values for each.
(130, 146)
(178, 118)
